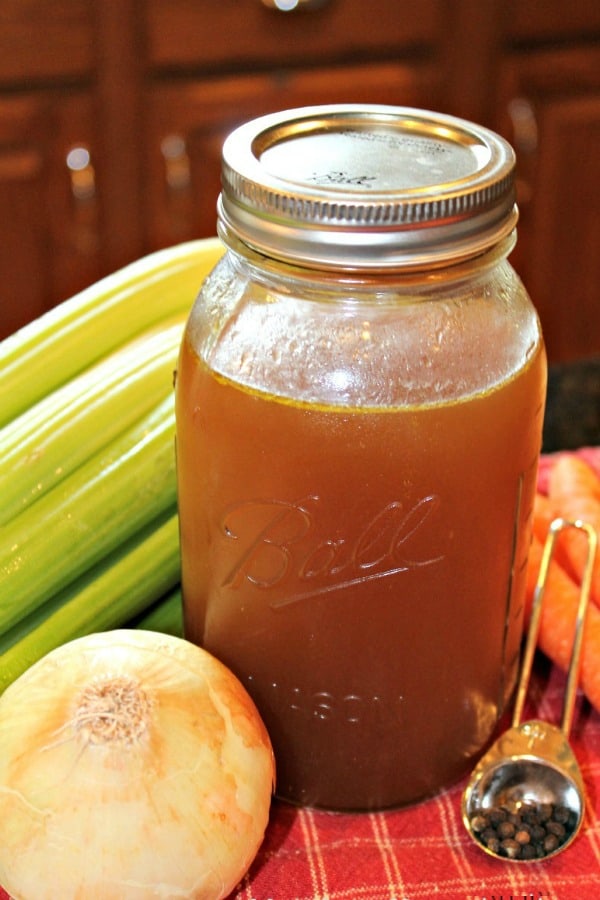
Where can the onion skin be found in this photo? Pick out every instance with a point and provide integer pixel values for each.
(168, 801)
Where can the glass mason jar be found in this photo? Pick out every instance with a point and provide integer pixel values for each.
(359, 402)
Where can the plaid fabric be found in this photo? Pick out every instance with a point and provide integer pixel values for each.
(423, 852)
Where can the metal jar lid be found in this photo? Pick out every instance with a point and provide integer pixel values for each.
(367, 187)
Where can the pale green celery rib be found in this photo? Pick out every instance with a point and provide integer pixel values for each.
(88, 515)
(136, 355)
(64, 341)
(121, 586)
(46, 444)
(166, 616)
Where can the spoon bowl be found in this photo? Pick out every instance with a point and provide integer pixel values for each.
(530, 766)
(525, 799)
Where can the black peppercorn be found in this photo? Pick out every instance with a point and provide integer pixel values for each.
(556, 828)
(544, 812)
(479, 823)
(497, 815)
(523, 831)
(538, 832)
(522, 836)
(561, 814)
(506, 830)
(494, 845)
(510, 848)
(551, 843)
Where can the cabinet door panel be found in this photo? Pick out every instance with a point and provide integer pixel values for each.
(45, 40)
(49, 239)
(551, 114)
(187, 124)
(562, 268)
(542, 19)
(22, 244)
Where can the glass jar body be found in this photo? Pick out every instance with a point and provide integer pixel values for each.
(356, 469)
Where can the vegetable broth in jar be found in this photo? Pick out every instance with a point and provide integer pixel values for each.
(359, 414)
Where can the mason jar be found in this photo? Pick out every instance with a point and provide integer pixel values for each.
(359, 403)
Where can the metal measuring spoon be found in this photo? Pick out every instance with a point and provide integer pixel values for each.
(530, 772)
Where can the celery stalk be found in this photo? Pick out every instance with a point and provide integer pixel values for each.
(67, 339)
(121, 586)
(165, 617)
(89, 514)
(45, 444)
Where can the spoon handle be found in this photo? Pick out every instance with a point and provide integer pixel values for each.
(556, 527)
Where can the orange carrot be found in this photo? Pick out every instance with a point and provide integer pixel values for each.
(574, 488)
(571, 477)
(557, 623)
(544, 513)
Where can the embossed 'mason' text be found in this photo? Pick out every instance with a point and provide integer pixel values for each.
(273, 540)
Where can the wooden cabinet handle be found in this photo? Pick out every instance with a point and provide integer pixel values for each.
(524, 125)
(177, 162)
(81, 231)
(291, 5)
(81, 173)
(524, 139)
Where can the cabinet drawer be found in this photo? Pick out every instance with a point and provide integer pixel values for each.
(188, 33)
(188, 122)
(537, 20)
(45, 40)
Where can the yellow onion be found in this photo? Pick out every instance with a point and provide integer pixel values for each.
(132, 765)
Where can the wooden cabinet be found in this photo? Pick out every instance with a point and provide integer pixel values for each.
(187, 124)
(550, 110)
(243, 58)
(45, 41)
(49, 225)
(49, 234)
(150, 88)
(255, 34)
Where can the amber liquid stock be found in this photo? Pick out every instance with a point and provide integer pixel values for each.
(361, 571)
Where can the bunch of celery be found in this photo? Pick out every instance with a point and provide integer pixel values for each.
(88, 519)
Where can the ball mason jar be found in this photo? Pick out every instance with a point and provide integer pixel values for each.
(359, 403)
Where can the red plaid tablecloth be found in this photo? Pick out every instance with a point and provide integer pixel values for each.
(423, 852)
